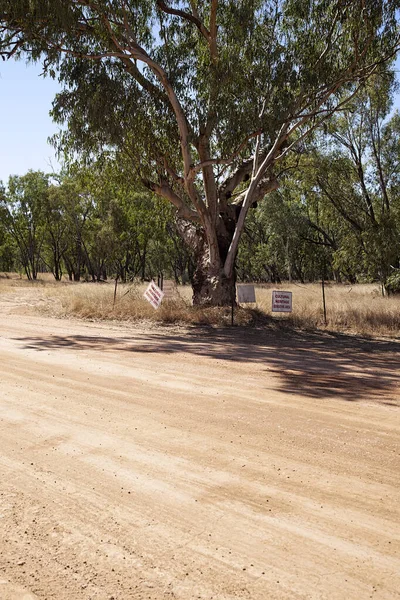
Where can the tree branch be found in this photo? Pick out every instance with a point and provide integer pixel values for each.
(230, 159)
(248, 199)
(213, 31)
(339, 207)
(186, 16)
(164, 190)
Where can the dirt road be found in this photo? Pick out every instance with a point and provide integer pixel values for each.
(196, 464)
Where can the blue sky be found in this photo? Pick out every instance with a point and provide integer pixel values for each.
(25, 125)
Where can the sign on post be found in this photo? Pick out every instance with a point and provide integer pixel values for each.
(169, 288)
(246, 293)
(281, 301)
(154, 295)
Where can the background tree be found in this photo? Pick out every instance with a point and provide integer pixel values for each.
(8, 251)
(127, 232)
(23, 211)
(55, 225)
(353, 175)
(342, 201)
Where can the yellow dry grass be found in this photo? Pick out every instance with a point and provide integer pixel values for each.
(96, 302)
(357, 309)
(14, 280)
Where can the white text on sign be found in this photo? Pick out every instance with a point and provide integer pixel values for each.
(281, 301)
(154, 295)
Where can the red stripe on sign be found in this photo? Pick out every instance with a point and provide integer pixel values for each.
(153, 303)
(156, 290)
(150, 296)
(153, 297)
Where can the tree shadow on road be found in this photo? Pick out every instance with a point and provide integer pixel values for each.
(312, 364)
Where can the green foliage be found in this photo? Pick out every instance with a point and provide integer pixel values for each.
(393, 283)
(283, 55)
(203, 102)
(22, 207)
(280, 243)
(92, 224)
(339, 211)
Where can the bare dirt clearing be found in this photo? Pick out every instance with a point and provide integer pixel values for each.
(195, 464)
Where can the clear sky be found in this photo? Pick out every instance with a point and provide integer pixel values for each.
(25, 125)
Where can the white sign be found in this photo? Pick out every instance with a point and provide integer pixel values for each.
(281, 301)
(169, 288)
(246, 293)
(154, 295)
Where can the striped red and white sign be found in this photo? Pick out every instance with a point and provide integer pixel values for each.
(154, 295)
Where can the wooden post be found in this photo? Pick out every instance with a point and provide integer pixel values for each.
(323, 290)
(115, 290)
(233, 304)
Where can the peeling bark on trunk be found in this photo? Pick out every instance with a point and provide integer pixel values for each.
(210, 285)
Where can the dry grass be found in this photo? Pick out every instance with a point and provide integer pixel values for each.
(96, 302)
(357, 309)
(15, 280)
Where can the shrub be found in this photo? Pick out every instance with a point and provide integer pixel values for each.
(393, 283)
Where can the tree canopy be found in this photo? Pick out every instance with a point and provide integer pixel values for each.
(203, 101)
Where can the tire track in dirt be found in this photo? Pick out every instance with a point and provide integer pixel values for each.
(117, 483)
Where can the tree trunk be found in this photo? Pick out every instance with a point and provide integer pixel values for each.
(57, 271)
(210, 285)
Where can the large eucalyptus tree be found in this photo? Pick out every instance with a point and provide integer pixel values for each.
(204, 100)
